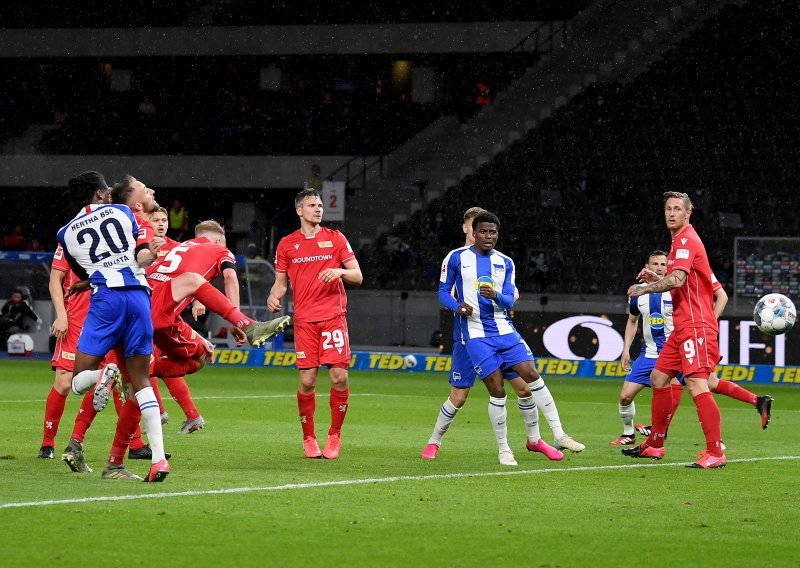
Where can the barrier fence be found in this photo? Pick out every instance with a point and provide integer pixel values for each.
(426, 362)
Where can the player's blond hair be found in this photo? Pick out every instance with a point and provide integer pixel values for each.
(209, 226)
(678, 195)
(473, 212)
(159, 209)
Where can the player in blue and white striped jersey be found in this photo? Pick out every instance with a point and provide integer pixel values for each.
(462, 378)
(103, 244)
(655, 311)
(484, 282)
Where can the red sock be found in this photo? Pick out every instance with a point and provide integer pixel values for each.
(53, 411)
(338, 409)
(731, 389)
(85, 418)
(136, 442)
(167, 369)
(127, 424)
(154, 384)
(677, 393)
(307, 403)
(216, 302)
(180, 392)
(660, 415)
(711, 422)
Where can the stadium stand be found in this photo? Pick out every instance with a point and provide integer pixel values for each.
(580, 195)
(208, 106)
(95, 13)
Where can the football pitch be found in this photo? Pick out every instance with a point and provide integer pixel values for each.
(241, 493)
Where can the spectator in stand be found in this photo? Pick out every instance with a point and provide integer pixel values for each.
(178, 221)
(13, 240)
(13, 315)
(35, 246)
(314, 181)
(147, 109)
(484, 94)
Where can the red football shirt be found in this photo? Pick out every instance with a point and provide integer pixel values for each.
(303, 258)
(692, 303)
(77, 305)
(195, 255)
(145, 230)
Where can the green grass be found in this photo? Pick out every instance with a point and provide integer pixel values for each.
(540, 514)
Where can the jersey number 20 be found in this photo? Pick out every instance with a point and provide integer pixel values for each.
(95, 238)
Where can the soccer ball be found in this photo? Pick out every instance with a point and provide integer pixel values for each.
(774, 314)
(409, 362)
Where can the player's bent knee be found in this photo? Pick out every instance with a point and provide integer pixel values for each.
(63, 381)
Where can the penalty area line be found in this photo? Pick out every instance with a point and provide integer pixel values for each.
(367, 481)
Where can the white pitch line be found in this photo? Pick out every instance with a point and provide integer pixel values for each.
(374, 480)
(239, 397)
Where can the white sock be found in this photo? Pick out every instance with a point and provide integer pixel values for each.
(151, 422)
(84, 381)
(498, 416)
(545, 402)
(446, 416)
(627, 414)
(530, 415)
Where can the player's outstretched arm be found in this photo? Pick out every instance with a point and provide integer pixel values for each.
(277, 292)
(671, 281)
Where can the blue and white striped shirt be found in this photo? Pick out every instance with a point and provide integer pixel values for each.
(656, 312)
(465, 269)
(102, 240)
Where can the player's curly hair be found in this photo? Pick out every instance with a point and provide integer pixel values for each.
(86, 184)
(678, 195)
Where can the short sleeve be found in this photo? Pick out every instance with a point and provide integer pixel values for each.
(685, 254)
(59, 261)
(345, 250)
(281, 262)
(633, 307)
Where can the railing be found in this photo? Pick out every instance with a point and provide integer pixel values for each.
(351, 165)
(543, 33)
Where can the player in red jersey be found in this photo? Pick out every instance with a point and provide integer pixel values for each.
(70, 311)
(312, 258)
(177, 386)
(693, 347)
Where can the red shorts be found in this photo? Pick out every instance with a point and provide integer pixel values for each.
(163, 308)
(66, 347)
(693, 351)
(179, 341)
(322, 343)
